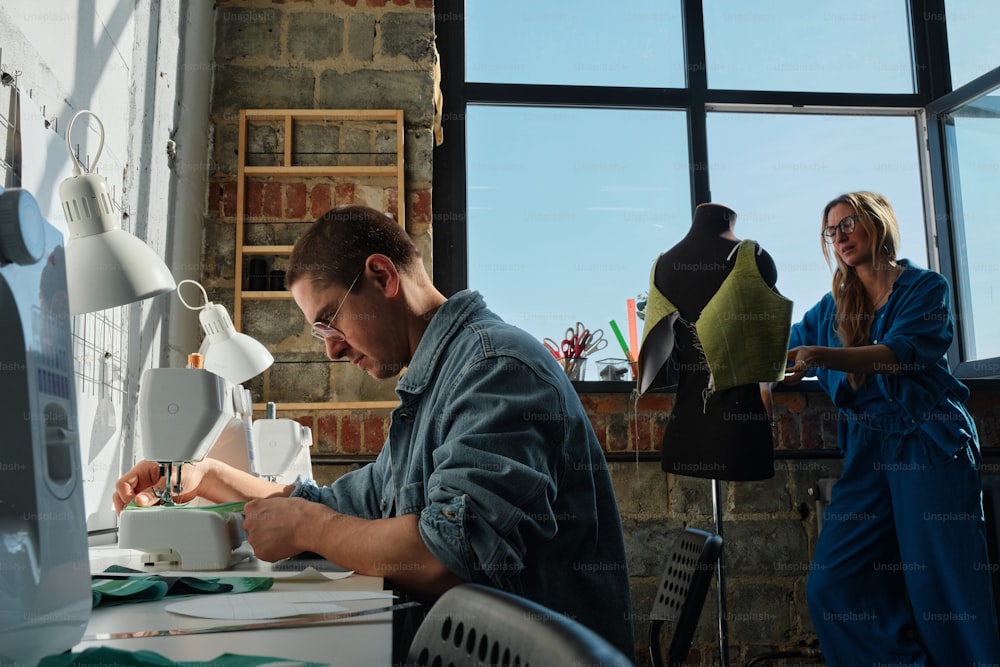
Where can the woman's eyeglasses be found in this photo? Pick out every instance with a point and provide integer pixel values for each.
(846, 226)
(325, 331)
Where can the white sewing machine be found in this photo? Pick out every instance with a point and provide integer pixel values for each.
(186, 414)
(45, 595)
(281, 448)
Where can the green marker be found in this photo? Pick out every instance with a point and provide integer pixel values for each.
(621, 340)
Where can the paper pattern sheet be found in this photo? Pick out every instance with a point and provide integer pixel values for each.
(270, 605)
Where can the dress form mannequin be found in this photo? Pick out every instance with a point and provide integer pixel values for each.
(714, 321)
(724, 434)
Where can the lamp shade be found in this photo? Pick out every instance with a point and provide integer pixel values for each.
(105, 265)
(233, 355)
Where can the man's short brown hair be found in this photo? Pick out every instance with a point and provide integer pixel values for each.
(335, 248)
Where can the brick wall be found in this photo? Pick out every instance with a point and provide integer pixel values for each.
(314, 54)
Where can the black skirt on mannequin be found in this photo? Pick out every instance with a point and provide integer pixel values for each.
(725, 436)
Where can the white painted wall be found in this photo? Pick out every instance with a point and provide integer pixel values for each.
(126, 60)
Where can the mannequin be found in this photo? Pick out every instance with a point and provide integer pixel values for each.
(720, 425)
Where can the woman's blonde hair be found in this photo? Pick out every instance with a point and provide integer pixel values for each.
(855, 310)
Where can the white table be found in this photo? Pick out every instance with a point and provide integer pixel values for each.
(356, 642)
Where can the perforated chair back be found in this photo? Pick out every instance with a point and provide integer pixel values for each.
(681, 595)
(477, 625)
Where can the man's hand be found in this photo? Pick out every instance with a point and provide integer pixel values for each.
(277, 528)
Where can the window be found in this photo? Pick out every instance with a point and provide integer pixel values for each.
(567, 208)
(973, 146)
(587, 44)
(973, 38)
(778, 171)
(849, 46)
(771, 111)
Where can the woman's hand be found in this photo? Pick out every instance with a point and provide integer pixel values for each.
(800, 361)
(144, 485)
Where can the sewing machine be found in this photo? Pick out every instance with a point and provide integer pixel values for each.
(281, 448)
(45, 595)
(186, 414)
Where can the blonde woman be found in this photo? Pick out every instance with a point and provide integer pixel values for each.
(901, 573)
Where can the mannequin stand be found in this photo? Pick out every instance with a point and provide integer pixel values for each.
(720, 580)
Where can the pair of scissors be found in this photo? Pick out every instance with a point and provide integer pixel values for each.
(576, 341)
(553, 347)
(595, 343)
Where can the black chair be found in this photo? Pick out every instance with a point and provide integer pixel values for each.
(681, 595)
(477, 625)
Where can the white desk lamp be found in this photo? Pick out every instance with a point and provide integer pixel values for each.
(105, 265)
(229, 353)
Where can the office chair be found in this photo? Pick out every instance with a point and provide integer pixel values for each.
(477, 625)
(681, 595)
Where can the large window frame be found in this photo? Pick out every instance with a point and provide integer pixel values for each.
(931, 104)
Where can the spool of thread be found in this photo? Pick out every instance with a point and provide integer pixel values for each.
(257, 280)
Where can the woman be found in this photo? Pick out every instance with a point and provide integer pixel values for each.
(901, 573)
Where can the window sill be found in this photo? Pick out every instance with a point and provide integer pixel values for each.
(809, 386)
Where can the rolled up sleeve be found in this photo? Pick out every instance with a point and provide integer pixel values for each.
(356, 493)
(495, 477)
(921, 329)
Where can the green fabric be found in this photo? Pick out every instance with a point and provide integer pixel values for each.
(743, 303)
(102, 656)
(657, 307)
(220, 508)
(107, 592)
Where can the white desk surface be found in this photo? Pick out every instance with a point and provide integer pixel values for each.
(366, 640)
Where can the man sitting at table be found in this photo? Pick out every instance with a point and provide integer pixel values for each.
(492, 472)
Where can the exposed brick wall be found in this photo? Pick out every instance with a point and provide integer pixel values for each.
(318, 54)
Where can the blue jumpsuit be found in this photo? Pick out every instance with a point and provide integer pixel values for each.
(901, 574)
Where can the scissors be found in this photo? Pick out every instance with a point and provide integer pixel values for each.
(595, 343)
(553, 347)
(576, 341)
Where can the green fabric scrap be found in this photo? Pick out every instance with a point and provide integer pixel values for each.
(102, 656)
(146, 587)
(219, 508)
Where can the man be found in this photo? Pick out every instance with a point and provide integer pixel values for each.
(491, 472)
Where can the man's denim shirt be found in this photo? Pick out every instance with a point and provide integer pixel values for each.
(490, 445)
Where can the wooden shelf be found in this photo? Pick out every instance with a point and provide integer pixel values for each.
(320, 114)
(287, 168)
(281, 164)
(265, 295)
(320, 171)
(267, 249)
